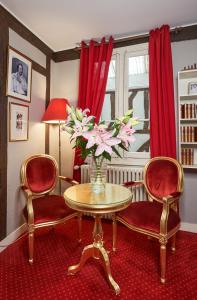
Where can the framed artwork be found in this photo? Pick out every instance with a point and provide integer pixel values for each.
(18, 122)
(192, 90)
(19, 75)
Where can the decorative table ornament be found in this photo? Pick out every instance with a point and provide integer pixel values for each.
(98, 173)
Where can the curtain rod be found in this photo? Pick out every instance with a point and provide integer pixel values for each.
(175, 30)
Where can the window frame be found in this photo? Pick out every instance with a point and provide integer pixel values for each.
(132, 51)
(116, 57)
(121, 93)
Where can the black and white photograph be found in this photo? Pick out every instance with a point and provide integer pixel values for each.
(19, 122)
(192, 88)
(19, 76)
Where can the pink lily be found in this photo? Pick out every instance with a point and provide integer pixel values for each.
(126, 134)
(81, 127)
(78, 129)
(106, 143)
(99, 136)
(93, 136)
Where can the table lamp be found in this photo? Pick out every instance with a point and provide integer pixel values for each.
(56, 114)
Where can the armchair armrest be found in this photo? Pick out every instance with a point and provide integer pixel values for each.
(172, 197)
(69, 180)
(26, 190)
(30, 210)
(133, 183)
(168, 203)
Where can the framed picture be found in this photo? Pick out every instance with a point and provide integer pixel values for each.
(192, 90)
(19, 75)
(18, 122)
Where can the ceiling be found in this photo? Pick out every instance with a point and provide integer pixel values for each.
(62, 23)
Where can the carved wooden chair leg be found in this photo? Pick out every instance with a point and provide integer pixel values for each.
(79, 226)
(114, 231)
(163, 260)
(173, 245)
(31, 245)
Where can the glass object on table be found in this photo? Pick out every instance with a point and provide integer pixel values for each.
(98, 173)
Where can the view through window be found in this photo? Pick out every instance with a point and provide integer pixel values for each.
(128, 88)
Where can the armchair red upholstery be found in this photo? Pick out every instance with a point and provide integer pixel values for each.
(148, 218)
(162, 177)
(158, 217)
(39, 175)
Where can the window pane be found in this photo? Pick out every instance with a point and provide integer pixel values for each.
(111, 76)
(108, 111)
(142, 143)
(142, 126)
(142, 135)
(138, 100)
(138, 71)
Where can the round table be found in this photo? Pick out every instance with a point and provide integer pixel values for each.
(81, 198)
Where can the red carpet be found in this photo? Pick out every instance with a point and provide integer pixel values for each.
(134, 267)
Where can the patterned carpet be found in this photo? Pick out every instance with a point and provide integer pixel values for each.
(135, 267)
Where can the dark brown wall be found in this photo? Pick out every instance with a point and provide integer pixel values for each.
(4, 36)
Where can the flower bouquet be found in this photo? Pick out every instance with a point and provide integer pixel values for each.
(99, 140)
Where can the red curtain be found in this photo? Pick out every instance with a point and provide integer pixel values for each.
(162, 115)
(94, 66)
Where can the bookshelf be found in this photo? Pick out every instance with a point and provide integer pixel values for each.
(187, 103)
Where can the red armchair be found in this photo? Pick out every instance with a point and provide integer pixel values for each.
(158, 217)
(39, 175)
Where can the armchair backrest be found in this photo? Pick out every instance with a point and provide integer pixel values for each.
(163, 176)
(39, 173)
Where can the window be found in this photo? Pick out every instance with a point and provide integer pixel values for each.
(109, 106)
(128, 88)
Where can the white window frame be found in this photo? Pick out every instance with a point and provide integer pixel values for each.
(121, 99)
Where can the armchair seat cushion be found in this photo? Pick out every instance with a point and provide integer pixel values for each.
(48, 208)
(146, 215)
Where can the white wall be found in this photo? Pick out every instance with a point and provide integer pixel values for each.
(64, 84)
(185, 54)
(17, 42)
(64, 80)
(19, 151)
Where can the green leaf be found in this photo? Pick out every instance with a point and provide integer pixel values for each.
(79, 114)
(129, 112)
(123, 147)
(116, 151)
(102, 122)
(90, 127)
(106, 155)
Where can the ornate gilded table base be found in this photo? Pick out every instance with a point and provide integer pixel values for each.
(97, 251)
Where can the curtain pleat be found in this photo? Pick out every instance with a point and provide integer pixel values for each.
(94, 67)
(162, 114)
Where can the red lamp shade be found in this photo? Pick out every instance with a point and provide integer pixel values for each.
(56, 111)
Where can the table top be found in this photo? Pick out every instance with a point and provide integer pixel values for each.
(81, 198)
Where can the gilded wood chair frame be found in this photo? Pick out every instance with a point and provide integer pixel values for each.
(169, 201)
(30, 196)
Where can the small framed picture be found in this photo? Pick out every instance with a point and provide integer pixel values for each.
(19, 75)
(192, 90)
(18, 122)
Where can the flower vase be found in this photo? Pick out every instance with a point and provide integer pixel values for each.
(98, 174)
